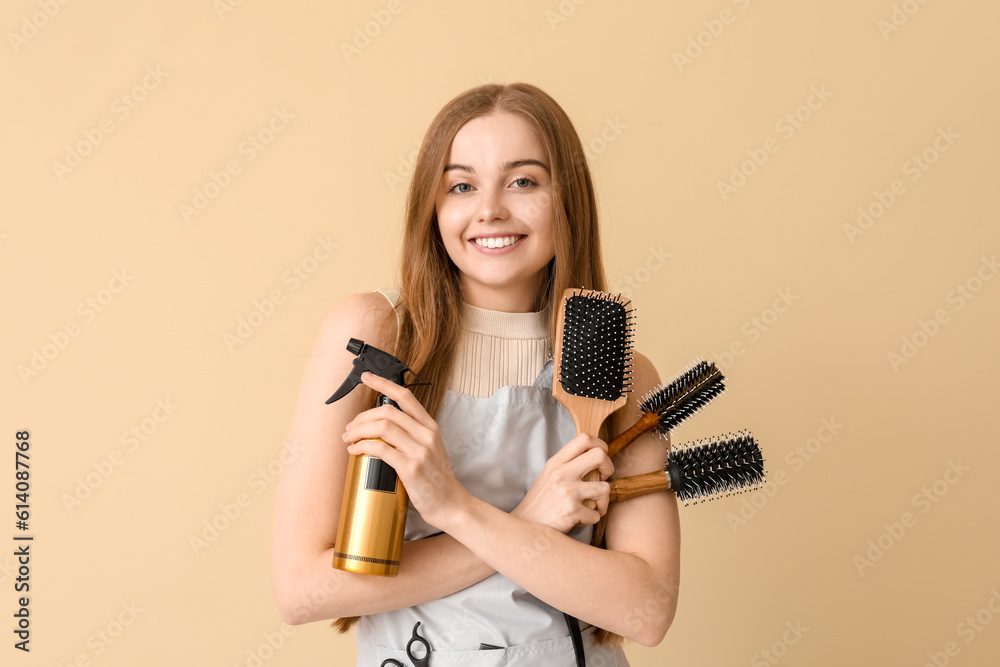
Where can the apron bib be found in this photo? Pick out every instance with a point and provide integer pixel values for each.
(497, 447)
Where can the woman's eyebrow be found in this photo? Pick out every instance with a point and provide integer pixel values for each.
(522, 163)
(506, 167)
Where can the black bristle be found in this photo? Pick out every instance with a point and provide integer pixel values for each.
(596, 347)
(684, 395)
(722, 465)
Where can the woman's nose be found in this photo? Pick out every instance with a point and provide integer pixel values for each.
(491, 206)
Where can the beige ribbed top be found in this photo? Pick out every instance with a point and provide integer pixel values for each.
(498, 349)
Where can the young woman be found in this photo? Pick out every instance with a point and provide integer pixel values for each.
(501, 218)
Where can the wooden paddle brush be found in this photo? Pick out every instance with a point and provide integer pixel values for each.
(593, 359)
(704, 470)
(664, 408)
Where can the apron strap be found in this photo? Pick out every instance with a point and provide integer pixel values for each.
(574, 631)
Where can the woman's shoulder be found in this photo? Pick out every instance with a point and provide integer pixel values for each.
(381, 301)
(368, 316)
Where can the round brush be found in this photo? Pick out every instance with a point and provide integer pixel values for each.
(664, 408)
(701, 471)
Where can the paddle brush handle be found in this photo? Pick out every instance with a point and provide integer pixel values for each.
(589, 421)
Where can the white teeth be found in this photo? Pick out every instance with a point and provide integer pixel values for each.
(497, 241)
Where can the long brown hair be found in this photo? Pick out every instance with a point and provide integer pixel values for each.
(431, 299)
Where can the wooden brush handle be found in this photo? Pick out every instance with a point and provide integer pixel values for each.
(645, 424)
(634, 486)
(588, 420)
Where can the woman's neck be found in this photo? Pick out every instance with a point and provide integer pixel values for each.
(506, 299)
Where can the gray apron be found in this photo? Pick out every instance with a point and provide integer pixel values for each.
(497, 447)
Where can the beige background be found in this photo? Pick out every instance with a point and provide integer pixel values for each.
(662, 134)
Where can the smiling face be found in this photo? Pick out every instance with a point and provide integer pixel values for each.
(494, 212)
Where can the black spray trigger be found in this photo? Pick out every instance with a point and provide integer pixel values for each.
(375, 361)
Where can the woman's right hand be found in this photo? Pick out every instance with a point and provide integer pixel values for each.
(556, 497)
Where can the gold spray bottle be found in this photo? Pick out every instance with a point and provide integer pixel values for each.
(373, 512)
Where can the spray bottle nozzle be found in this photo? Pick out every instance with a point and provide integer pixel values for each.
(375, 361)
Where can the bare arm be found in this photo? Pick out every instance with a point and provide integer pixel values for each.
(309, 494)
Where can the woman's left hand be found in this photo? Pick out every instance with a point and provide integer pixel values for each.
(409, 440)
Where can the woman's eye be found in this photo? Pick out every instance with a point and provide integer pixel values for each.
(524, 182)
(460, 188)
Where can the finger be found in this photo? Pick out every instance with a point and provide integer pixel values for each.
(379, 449)
(403, 397)
(578, 446)
(367, 423)
(589, 517)
(606, 467)
(593, 459)
(385, 431)
(601, 493)
(594, 443)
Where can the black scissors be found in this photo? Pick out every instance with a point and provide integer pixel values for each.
(417, 662)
